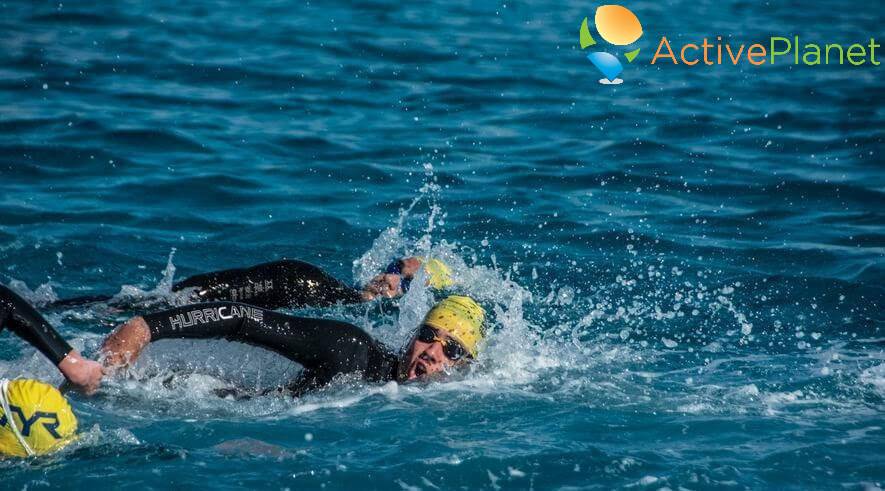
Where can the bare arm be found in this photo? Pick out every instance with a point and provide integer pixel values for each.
(126, 343)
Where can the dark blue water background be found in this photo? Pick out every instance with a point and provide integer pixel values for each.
(685, 271)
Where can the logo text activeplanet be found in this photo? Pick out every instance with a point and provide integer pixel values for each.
(777, 50)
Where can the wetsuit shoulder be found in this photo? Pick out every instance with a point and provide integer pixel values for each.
(21, 318)
(284, 283)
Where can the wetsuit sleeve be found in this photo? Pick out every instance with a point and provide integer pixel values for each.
(21, 318)
(273, 285)
(324, 346)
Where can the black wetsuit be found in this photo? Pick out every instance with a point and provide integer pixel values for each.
(286, 283)
(325, 348)
(21, 318)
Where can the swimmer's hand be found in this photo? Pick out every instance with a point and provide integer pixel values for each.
(84, 374)
(390, 285)
(125, 344)
(383, 285)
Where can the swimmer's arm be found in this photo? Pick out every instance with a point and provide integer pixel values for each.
(22, 319)
(123, 346)
(285, 283)
(314, 343)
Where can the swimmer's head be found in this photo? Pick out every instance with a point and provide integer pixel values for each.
(439, 275)
(35, 419)
(398, 276)
(450, 335)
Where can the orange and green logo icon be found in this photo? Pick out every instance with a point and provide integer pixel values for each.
(618, 26)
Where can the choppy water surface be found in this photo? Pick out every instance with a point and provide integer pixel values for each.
(684, 272)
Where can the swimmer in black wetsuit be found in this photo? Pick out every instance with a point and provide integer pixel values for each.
(19, 317)
(296, 284)
(449, 335)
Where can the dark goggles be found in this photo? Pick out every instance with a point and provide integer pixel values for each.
(396, 267)
(451, 348)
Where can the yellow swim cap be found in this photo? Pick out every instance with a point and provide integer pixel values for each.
(462, 318)
(35, 418)
(439, 275)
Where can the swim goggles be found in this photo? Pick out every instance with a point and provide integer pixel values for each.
(451, 348)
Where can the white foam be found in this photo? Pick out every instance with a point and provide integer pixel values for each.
(875, 377)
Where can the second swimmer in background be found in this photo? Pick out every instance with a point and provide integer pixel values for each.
(295, 284)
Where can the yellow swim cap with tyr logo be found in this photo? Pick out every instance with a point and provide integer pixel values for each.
(462, 318)
(35, 418)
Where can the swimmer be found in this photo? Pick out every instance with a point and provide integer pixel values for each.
(20, 318)
(449, 336)
(35, 419)
(295, 284)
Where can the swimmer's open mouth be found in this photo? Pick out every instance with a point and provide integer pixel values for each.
(420, 369)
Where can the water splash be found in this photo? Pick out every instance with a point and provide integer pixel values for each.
(394, 242)
(40, 296)
(160, 294)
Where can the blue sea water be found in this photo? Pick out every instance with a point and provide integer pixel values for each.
(684, 272)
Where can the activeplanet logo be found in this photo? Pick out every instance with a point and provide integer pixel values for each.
(757, 54)
(619, 26)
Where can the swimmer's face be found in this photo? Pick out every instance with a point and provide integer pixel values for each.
(425, 359)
